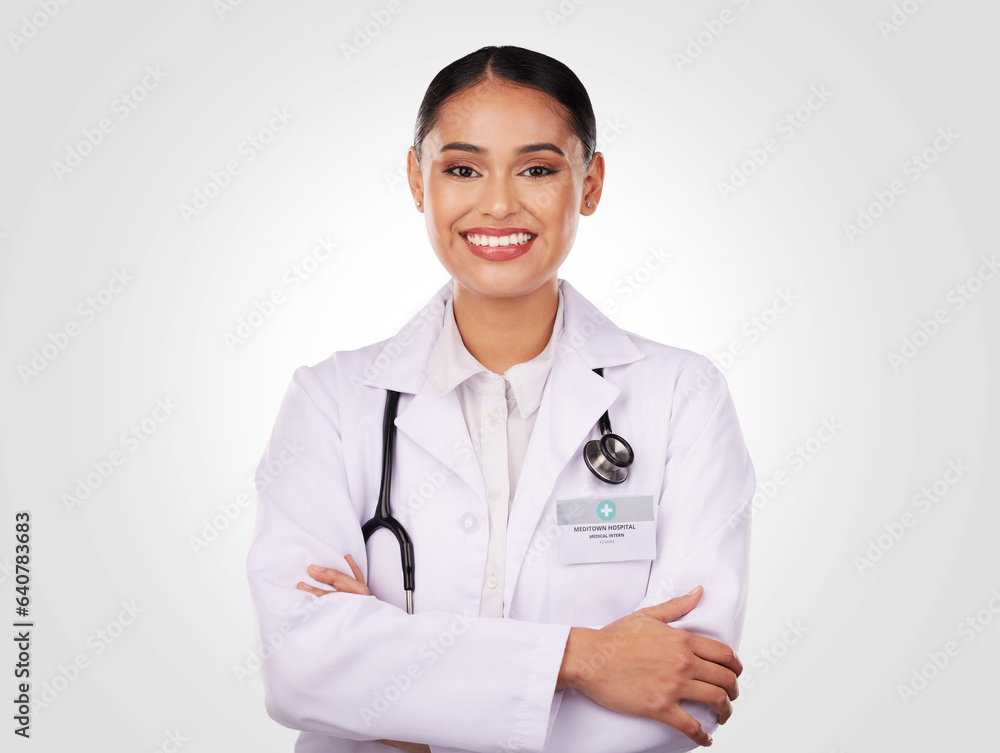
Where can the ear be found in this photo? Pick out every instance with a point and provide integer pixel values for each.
(593, 184)
(414, 178)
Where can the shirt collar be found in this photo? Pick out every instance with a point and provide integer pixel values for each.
(450, 363)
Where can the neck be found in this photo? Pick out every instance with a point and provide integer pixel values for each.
(501, 332)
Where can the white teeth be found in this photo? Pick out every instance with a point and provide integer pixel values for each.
(515, 239)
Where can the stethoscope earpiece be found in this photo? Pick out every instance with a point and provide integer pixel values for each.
(609, 457)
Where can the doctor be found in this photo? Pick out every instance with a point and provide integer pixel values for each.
(540, 621)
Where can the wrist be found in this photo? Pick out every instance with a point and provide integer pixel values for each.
(572, 671)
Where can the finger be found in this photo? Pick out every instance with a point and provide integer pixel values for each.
(718, 675)
(340, 581)
(668, 611)
(716, 651)
(323, 574)
(686, 724)
(712, 696)
(355, 569)
(312, 589)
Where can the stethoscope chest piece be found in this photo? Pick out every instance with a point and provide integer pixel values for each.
(609, 457)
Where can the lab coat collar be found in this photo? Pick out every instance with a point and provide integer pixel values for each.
(450, 364)
(588, 338)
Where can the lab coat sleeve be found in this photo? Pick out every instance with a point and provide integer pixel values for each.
(703, 537)
(354, 667)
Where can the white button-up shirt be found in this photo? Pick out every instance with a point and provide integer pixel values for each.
(500, 413)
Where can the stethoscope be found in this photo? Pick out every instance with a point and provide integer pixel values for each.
(608, 458)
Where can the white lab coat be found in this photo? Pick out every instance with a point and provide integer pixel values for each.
(345, 668)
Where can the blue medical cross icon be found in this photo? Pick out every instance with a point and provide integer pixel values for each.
(606, 509)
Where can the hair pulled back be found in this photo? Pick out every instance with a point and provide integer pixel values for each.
(515, 65)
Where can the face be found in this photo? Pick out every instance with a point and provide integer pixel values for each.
(502, 187)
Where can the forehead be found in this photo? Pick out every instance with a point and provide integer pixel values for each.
(503, 114)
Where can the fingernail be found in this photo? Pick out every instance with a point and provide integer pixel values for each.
(317, 569)
(692, 591)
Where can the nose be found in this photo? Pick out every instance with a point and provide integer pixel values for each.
(499, 196)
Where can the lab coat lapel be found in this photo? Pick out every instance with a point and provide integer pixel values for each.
(434, 422)
(573, 401)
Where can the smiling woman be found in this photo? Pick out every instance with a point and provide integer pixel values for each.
(528, 594)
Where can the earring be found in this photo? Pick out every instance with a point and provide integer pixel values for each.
(588, 203)
(418, 203)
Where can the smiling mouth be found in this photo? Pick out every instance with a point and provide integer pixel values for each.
(514, 239)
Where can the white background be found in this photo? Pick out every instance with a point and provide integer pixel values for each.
(672, 131)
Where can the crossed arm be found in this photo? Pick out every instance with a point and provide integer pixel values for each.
(630, 677)
(651, 669)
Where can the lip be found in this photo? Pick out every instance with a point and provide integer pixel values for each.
(496, 231)
(498, 253)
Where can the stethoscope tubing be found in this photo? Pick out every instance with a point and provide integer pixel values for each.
(609, 468)
(383, 514)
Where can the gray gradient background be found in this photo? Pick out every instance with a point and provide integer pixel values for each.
(335, 172)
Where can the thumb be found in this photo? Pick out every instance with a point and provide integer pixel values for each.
(668, 611)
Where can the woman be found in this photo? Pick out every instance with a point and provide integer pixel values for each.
(552, 610)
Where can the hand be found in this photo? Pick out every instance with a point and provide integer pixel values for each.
(639, 665)
(340, 581)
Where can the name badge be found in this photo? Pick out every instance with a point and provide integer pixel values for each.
(605, 529)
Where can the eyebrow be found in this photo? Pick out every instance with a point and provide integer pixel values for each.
(542, 146)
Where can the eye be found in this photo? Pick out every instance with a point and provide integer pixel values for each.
(545, 171)
(460, 171)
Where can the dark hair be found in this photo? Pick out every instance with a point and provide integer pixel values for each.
(517, 66)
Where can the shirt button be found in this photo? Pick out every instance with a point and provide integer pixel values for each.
(469, 522)
(495, 493)
(492, 581)
(494, 414)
